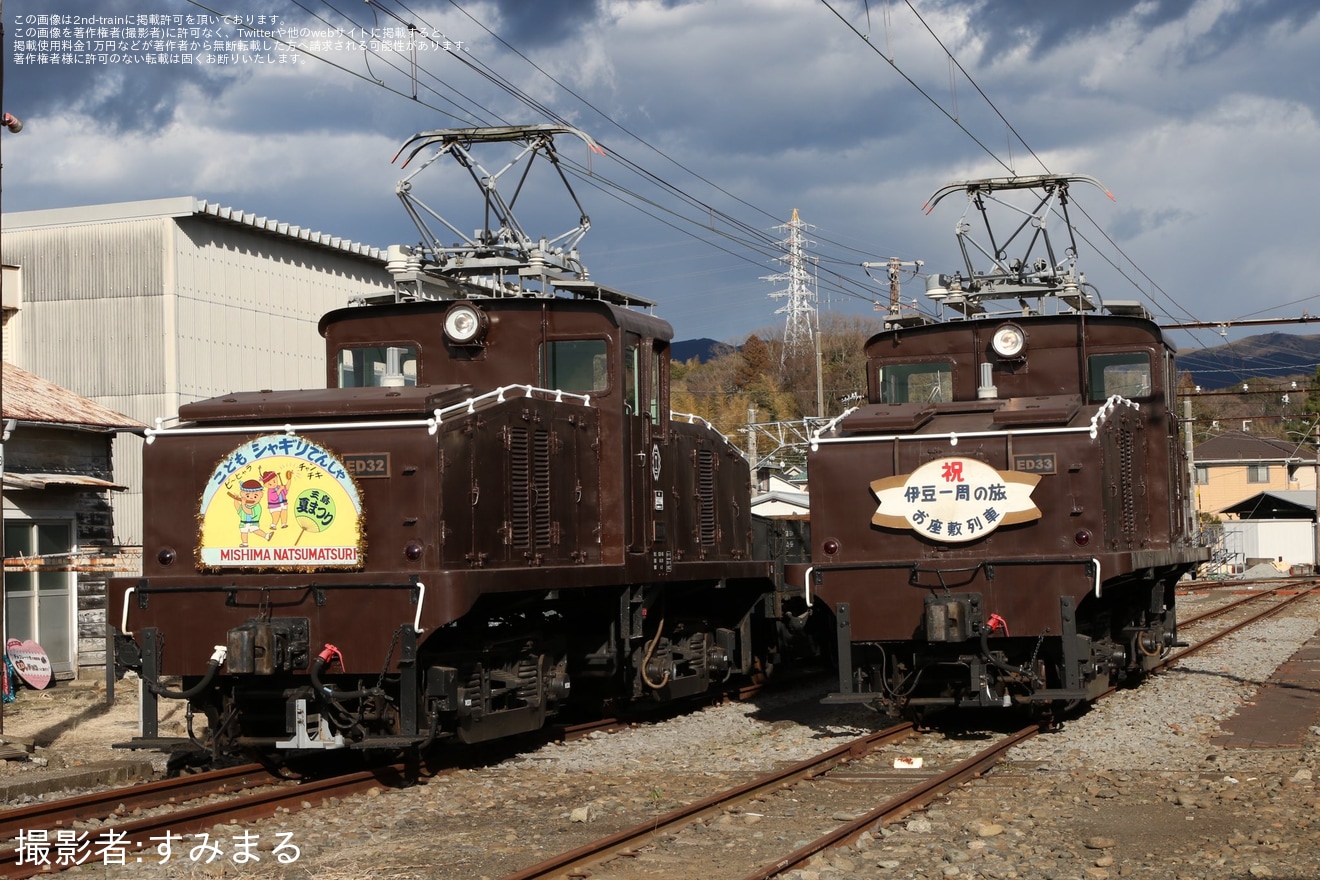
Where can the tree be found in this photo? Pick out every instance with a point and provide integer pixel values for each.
(755, 375)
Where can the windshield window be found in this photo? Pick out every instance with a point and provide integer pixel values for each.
(916, 383)
(576, 365)
(1126, 374)
(376, 365)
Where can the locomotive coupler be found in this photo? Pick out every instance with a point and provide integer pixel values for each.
(953, 617)
(265, 647)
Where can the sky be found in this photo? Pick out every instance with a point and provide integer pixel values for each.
(718, 119)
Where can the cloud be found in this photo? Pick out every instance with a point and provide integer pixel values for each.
(1200, 116)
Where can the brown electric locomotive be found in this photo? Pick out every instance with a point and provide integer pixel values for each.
(1003, 522)
(489, 515)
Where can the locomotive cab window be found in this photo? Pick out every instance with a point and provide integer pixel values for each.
(1126, 374)
(377, 365)
(577, 365)
(916, 383)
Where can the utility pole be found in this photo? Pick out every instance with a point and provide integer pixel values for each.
(15, 125)
(894, 268)
(1315, 550)
(820, 379)
(1189, 445)
(4, 595)
(751, 439)
(4, 662)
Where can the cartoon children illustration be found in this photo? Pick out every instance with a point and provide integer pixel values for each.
(277, 498)
(248, 505)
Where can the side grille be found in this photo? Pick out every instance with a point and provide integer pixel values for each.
(706, 496)
(1127, 480)
(540, 486)
(529, 487)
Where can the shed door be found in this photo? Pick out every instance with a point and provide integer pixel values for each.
(39, 604)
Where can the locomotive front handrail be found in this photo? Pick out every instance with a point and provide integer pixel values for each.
(143, 589)
(1092, 428)
(816, 573)
(431, 425)
(123, 622)
(829, 426)
(469, 406)
(159, 431)
(421, 599)
(692, 418)
(917, 571)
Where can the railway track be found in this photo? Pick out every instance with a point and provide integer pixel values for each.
(65, 812)
(815, 792)
(113, 823)
(1285, 594)
(854, 765)
(54, 836)
(859, 788)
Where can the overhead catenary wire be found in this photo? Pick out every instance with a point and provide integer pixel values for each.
(1174, 304)
(756, 238)
(742, 234)
(694, 216)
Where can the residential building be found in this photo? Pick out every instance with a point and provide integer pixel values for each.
(1235, 465)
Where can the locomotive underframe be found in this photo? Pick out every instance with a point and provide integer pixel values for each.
(511, 663)
(963, 654)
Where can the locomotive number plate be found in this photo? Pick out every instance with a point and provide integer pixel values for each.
(365, 465)
(1038, 463)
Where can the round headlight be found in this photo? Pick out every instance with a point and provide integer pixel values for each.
(1008, 341)
(464, 324)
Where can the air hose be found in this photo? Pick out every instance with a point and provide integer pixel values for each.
(212, 667)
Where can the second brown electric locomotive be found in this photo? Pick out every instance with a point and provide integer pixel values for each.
(1004, 520)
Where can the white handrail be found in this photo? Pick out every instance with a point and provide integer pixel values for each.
(123, 620)
(421, 598)
(1093, 429)
(431, 425)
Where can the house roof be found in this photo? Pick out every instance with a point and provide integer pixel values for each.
(1236, 446)
(796, 499)
(1279, 504)
(30, 398)
(185, 206)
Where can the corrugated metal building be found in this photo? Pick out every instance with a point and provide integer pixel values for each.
(144, 306)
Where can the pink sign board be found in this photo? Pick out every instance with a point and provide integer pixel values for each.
(30, 661)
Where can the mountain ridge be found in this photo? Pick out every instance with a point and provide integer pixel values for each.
(1266, 356)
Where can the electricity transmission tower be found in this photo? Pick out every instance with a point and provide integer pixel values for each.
(800, 323)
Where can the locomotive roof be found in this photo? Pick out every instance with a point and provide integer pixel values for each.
(625, 319)
(1134, 322)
